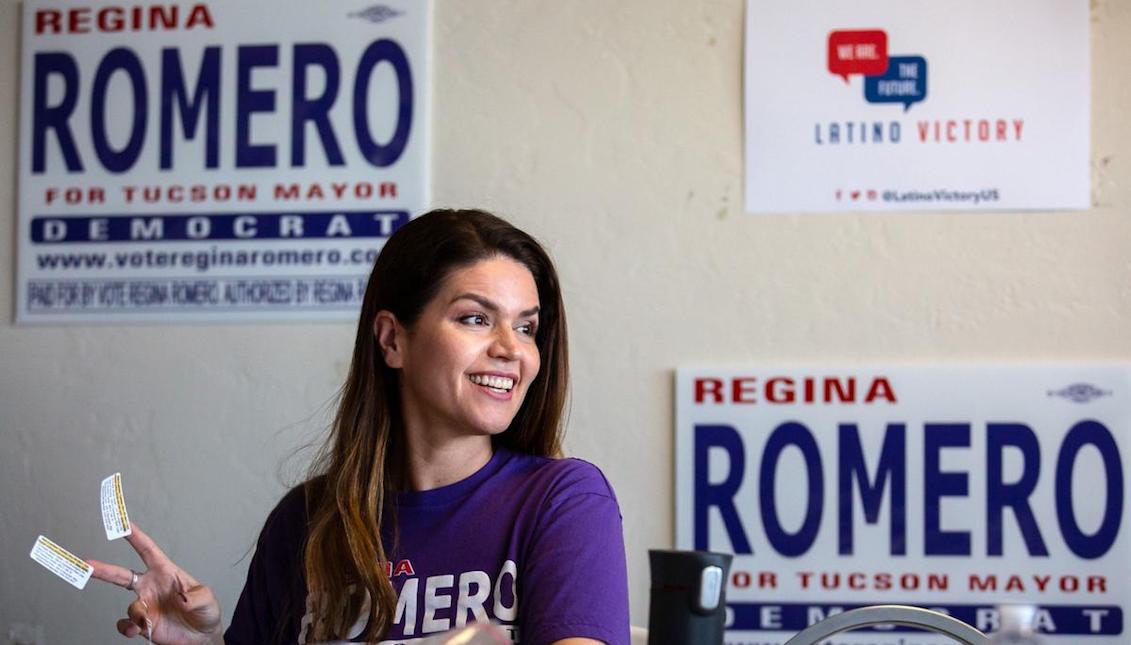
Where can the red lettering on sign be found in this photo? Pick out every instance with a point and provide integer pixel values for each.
(84, 20)
(784, 390)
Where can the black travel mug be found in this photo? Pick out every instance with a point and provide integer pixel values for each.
(688, 599)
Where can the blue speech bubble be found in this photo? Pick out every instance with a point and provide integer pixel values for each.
(905, 82)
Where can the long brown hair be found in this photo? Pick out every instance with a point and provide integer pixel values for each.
(356, 475)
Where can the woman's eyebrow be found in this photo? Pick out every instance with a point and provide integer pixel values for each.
(486, 303)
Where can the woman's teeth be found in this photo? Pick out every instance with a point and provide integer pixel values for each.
(501, 383)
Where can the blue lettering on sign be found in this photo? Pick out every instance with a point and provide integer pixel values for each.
(1062, 620)
(785, 543)
(377, 154)
(54, 117)
(890, 472)
(315, 110)
(938, 484)
(53, 121)
(720, 496)
(1015, 496)
(125, 60)
(1095, 434)
(221, 226)
(715, 490)
(249, 101)
(205, 96)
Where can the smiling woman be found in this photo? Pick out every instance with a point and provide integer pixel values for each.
(440, 497)
(469, 359)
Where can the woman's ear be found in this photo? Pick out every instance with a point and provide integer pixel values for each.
(390, 338)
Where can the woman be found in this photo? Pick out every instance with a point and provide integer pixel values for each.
(439, 498)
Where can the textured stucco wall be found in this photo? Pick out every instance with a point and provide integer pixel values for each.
(613, 132)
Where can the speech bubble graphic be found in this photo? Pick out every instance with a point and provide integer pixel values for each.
(858, 52)
(904, 82)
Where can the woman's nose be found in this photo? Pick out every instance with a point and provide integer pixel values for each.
(505, 344)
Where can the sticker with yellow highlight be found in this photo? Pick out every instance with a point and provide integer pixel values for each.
(114, 517)
(61, 562)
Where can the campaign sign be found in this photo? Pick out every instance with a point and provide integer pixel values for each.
(958, 489)
(841, 113)
(216, 160)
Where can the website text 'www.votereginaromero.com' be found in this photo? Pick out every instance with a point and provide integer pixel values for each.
(205, 260)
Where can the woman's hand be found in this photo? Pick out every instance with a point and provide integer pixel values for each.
(172, 608)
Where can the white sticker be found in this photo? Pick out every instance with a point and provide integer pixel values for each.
(61, 562)
(114, 517)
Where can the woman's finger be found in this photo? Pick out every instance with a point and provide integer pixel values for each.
(201, 609)
(111, 573)
(138, 612)
(127, 628)
(146, 548)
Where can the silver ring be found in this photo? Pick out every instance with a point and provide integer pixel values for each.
(133, 581)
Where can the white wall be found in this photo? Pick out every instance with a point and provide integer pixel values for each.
(612, 131)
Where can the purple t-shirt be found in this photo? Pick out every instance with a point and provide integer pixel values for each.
(530, 543)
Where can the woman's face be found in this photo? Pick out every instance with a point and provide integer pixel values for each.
(468, 360)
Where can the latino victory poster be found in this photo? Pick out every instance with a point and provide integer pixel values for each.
(897, 105)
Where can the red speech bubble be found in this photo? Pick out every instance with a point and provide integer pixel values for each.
(858, 52)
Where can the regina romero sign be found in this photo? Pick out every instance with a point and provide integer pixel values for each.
(955, 488)
(215, 160)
